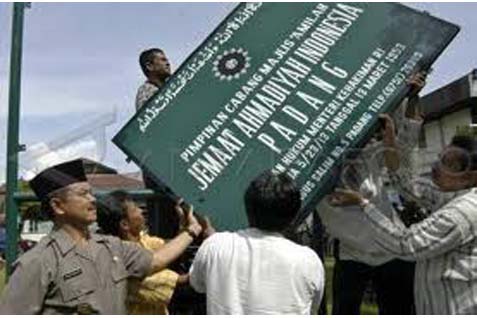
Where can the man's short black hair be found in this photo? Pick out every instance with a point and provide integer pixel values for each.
(272, 201)
(147, 57)
(112, 208)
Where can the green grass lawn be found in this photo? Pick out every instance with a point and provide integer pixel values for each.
(2, 280)
(366, 308)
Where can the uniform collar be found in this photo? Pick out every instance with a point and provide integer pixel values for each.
(152, 83)
(63, 240)
(99, 238)
(257, 232)
(66, 243)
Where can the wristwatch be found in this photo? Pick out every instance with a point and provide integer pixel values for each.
(191, 233)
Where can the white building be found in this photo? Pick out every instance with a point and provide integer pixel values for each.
(445, 109)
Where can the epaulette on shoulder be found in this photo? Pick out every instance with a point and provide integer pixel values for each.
(109, 239)
(36, 252)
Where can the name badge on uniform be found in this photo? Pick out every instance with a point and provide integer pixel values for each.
(72, 274)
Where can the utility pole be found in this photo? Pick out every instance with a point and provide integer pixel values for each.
(13, 146)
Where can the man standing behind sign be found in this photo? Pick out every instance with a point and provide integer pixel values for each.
(258, 270)
(157, 69)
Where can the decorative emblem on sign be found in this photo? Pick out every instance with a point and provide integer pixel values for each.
(231, 64)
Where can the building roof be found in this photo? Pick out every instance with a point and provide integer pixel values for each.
(134, 175)
(114, 181)
(93, 167)
(102, 177)
(460, 94)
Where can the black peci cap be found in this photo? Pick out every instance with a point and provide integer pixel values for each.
(58, 177)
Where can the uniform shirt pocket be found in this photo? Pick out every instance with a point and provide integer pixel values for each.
(75, 284)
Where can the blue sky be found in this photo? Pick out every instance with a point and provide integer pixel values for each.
(80, 59)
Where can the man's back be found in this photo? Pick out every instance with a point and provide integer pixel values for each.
(256, 272)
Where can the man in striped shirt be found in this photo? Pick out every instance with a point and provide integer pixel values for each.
(444, 244)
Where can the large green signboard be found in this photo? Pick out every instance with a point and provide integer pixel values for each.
(283, 86)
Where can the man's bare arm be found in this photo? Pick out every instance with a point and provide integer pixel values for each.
(174, 248)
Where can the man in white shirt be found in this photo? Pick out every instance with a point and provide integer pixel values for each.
(258, 270)
(358, 259)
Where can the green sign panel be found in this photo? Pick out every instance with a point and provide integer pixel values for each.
(283, 86)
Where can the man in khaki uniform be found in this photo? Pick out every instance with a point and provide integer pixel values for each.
(73, 271)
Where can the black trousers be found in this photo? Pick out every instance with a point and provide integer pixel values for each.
(393, 283)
